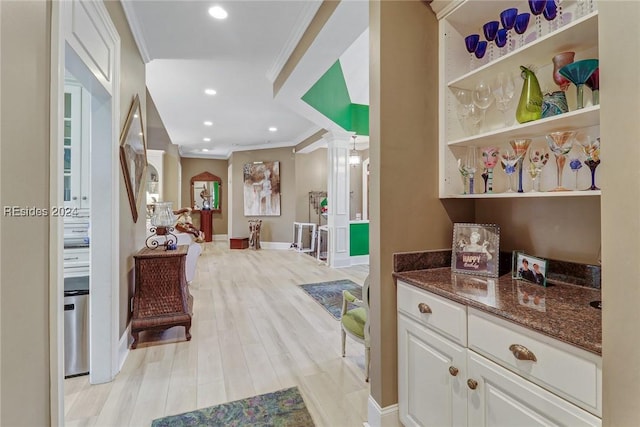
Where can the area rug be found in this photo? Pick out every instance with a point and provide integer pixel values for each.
(329, 294)
(283, 408)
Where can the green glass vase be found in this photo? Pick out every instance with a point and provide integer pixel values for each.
(530, 104)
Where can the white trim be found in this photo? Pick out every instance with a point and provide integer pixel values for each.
(365, 190)
(382, 417)
(136, 30)
(303, 21)
(359, 259)
(281, 246)
(220, 237)
(123, 348)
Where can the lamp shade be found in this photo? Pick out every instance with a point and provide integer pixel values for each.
(163, 215)
(354, 158)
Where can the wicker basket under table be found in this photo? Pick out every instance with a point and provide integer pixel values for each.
(162, 299)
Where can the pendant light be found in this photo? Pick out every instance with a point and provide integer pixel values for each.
(354, 156)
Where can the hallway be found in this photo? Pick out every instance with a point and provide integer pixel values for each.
(253, 331)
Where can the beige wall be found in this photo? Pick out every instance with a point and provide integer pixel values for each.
(311, 175)
(24, 177)
(274, 228)
(406, 213)
(132, 82)
(193, 167)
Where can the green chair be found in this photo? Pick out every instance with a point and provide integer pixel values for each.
(355, 322)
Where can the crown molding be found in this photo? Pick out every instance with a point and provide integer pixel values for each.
(136, 30)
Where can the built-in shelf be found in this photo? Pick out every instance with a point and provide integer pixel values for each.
(514, 195)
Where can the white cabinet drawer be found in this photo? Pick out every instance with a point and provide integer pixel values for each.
(568, 371)
(439, 314)
(76, 257)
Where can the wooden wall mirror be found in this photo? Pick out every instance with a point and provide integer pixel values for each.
(206, 192)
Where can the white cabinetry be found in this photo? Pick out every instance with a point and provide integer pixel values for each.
(462, 18)
(475, 377)
(76, 146)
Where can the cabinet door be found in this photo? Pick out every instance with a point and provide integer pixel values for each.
(429, 394)
(76, 146)
(502, 398)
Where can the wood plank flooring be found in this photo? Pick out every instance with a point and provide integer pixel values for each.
(254, 331)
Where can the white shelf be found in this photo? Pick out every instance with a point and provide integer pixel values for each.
(573, 120)
(584, 193)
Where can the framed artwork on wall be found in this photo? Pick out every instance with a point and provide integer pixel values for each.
(133, 155)
(475, 249)
(261, 189)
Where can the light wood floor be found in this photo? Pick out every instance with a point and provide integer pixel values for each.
(254, 331)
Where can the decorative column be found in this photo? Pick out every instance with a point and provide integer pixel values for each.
(338, 198)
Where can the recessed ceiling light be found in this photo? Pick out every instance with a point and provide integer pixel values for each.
(210, 91)
(208, 123)
(218, 12)
(204, 150)
(206, 139)
(273, 129)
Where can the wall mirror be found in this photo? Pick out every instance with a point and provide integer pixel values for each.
(133, 155)
(206, 192)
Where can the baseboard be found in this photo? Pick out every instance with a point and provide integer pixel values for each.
(360, 260)
(220, 237)
(382, 417)
(123, 347)
(281, 246)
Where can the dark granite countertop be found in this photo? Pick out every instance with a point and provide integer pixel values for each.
(561, 311)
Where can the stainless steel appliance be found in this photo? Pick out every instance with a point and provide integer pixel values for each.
(76, 326)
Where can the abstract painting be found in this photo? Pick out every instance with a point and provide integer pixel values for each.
(262, 189)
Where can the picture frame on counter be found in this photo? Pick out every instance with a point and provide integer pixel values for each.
(529, 268)
(475, 249)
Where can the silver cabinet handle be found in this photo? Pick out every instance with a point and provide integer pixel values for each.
(72, 258)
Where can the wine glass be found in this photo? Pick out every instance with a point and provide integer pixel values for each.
(593, 83)
(578, 73)
(508, 19)
(537, 7)
(559, 61)
(538, 157)
(550, 12)
(483, 98)
(490, 30)
(470, 163)
(522, 22)
(504, 90)
(481, 49)
(464, 174)
(591, 148)
(560, 144)
(490, 157)
(501, 39)
(520, 147)
(471, 43)
(575, 164)
(509, 159)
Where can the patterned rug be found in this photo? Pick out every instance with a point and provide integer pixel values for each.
(329, 294)
(283, 408)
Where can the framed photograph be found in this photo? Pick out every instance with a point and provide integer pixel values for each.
(529, 268)
(475, 249)
(133, 155)
(261, 189)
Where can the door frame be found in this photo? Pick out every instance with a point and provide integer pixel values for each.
(84, 39)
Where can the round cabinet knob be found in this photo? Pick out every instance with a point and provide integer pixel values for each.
(84, 197)
(75, 198)
(424, 308)
(453, 371)
(472, 384)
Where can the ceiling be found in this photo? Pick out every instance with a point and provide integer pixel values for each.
(188, 51)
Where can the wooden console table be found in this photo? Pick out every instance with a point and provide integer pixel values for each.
(162, 299)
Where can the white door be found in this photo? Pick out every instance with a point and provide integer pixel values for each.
(502, 398)
(431, 377)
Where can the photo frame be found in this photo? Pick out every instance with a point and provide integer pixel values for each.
(475, 249)
(529, 268)
(261, 188)
(133, 155)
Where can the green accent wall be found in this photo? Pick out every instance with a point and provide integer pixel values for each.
(359, 239)
(330, 96)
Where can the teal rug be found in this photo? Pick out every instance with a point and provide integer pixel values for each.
(329, 294)
(283, 408)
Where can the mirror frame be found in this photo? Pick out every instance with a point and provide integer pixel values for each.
(132, 153)
(208, 177)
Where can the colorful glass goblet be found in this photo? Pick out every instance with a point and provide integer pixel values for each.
(522, 22)
(520, 147)
(550, 12)
(509, 160)
(559, 61)
(490, 30)
(508, 19)
(578, 73)
(560, 144)
(575, 164)
(481, 49)
(490, 158)
(591, 148)
(537, 7)
(471, 43)
(501, 39)
(538, 158)
(593, 83)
